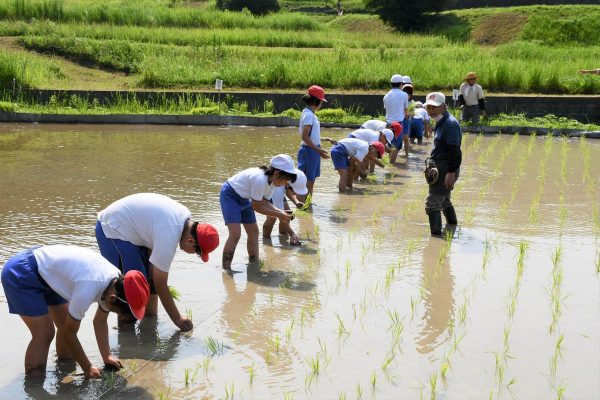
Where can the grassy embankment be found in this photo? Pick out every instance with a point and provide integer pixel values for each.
(81, 44)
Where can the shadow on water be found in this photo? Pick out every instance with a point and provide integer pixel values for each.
(272, 278)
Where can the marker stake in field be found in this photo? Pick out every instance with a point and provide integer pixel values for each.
(219, 87)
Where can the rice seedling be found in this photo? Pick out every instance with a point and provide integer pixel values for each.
(251, 372)
(342, 395)
(288, 331)
(314, 364)
(341, 330)
(213, 346)
(388, 359)
(558, 348)
(109, 378)
(175, 294)
(268, 358)
(204, 365)
(433, 385)
(274, 342)
(288, 396)
(229, 390)
(373, 381)
(188, 313)
(445, 366)
(186, 376)
(359, 391)
(560, 392)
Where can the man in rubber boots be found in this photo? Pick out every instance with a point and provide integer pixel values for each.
(447, 157)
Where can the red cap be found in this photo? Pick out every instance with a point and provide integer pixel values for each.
(318, 92)
(397, 128)
(137, 292)
(208, 239)
(380, 148)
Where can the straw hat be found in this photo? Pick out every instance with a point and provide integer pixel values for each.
(471, 75)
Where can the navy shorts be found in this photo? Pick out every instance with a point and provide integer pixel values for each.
(26, 292)
(416, 128)
(397, 141)
(309, 162)
(124, 255)
(234, 208)
(339, 156)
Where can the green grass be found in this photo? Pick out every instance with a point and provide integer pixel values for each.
(191, 44)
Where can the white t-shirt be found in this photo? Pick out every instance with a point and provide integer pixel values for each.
(309, 118)
(78, 275)
(150, 220)
(471, 94)
(366, 135)
(395, 102)
(355, 147)
(278, 197)
(252, 184)
(374, 124)
(421, 113)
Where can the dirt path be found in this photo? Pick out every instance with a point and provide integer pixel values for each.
(74, 76)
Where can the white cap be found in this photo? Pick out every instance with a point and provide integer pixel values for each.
(283, 162)
(406, 79)
(299, 186)
(389, 135)
(396, 78)
(435, 99)
(418, 104)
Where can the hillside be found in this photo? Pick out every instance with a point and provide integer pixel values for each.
(84, 44)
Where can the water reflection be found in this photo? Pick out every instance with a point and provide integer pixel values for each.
(438, 298)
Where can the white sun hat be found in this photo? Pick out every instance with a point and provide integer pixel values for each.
(389, 135)
(299, 186)
(283, 162)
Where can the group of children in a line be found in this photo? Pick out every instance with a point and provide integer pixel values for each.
(54, 285)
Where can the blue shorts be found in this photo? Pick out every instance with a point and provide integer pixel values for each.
(122, 254)
(397, 142)
(235, 209)
(309, 162)
(416, 128)
(26, 292)
(339, 156)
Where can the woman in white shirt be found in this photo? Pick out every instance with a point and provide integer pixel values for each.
(248, 191)
(52, 286)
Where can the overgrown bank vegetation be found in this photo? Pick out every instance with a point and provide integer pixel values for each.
(160, 46)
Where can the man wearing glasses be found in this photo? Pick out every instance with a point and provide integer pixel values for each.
(447, 156)
(142, 232)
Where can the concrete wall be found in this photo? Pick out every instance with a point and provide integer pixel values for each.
(582, 108)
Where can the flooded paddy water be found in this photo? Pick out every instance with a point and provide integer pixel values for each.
(370, 306)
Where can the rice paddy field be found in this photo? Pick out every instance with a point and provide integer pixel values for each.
(83, 44)
(507, 306)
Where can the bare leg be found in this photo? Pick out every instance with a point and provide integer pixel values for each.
(152, 306)
(59, 316)
(268, 226)
(252, 244)
(393, 155)
(42, 334)
(406, 144)
(352, 174)
(235, 232)
(343, 180)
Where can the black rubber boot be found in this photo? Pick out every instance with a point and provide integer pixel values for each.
(450, 215)
(435, 223)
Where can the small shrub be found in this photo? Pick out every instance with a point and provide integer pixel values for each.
(292, 113)
(332, 114)
(210, 110)
(256, 7)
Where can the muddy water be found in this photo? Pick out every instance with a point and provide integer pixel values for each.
(383, 309)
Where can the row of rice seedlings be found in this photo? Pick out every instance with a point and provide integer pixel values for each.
(555, 292)
(229, 390)
(501, 358)
(563, 212)
(535, 202)
(520, 172)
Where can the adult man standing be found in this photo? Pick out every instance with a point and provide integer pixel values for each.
(395, 103)
(471, 99)
(142, 232)
(447, 156)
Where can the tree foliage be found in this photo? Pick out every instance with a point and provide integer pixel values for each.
(256, 7)
(406, 15)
